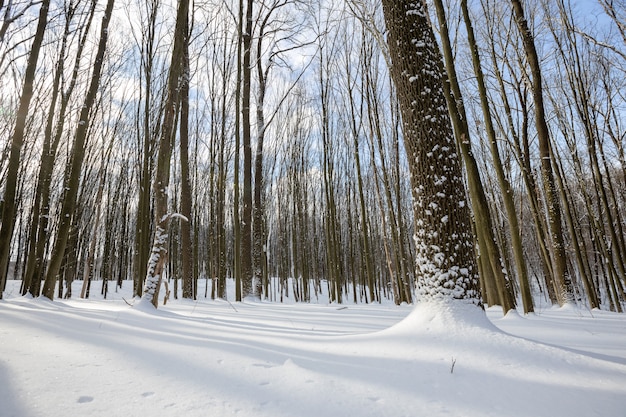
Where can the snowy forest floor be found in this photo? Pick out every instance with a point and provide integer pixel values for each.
(100, 357)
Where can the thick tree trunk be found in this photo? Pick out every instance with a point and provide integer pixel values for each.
(446, 263)
(39, 209)
(221, 195)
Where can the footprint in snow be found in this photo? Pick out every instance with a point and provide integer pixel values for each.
(84, 399)
(147, 394)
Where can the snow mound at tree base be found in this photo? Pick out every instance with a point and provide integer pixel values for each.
(447, 317)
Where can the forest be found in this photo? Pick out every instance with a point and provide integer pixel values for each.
(262, 141)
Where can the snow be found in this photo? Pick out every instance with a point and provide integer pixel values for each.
(216, 358)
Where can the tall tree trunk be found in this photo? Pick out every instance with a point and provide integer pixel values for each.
(145, 141)
(237, 268)
(221, 193)
(158, 254)
(246, 230)
(580, 100)
(45, 166)
(445, 257)
(365, 232)
(17, 141)
(185, 191)
(562, 280)
(493, 278)
(76, 162)
(521, 147)
(331, 234)
(507, 192)
(258, 221)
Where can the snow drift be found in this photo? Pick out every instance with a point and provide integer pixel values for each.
(213, 358)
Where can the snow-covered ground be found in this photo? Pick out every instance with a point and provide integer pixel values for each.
(215, 358)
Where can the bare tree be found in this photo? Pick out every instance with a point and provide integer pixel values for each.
(160, 186)
(185, 193)
(493, 278)
(503, 181)
(76, 161)
(146, 141)
(53, 133)
(562, 279)
(17, 141)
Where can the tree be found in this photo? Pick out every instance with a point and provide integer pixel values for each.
(8, 207)
(158, 253)
(237, 246)
(513, 120)
(562, 280)
(332, 237)
(146, 139)
(185, 194)
(507, 192)
(246, 230)
(493, 278)
(446, 264)
(76, 161)
(53, 133)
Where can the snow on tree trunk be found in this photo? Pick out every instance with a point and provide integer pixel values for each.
(158, 254)
(156, 262)
(445, 258)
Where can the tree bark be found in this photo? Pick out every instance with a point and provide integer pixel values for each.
(446, 263)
